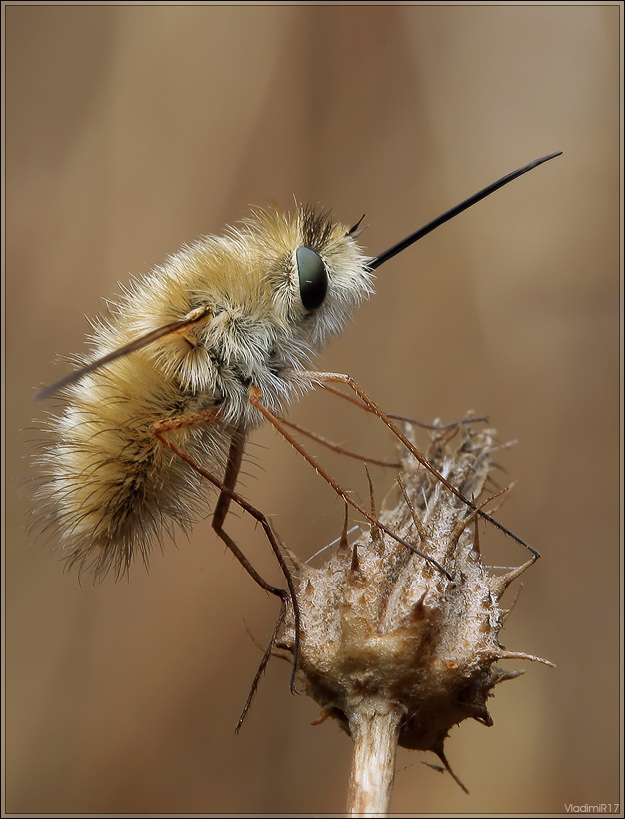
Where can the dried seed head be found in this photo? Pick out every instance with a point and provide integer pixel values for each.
(383, 629)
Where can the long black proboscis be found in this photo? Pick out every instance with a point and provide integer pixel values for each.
(445, 217)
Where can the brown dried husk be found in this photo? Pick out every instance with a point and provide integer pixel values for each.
(382, 628)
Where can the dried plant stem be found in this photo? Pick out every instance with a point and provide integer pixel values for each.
(374, 728)
(395, 648)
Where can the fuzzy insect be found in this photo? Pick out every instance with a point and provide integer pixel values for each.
(193, 357)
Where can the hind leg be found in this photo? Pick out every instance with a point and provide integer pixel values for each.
(227, 495)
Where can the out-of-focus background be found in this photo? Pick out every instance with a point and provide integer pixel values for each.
(132, 129)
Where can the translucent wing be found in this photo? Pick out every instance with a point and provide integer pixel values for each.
(196, 316)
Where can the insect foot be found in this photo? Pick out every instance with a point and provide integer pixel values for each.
(392, 648)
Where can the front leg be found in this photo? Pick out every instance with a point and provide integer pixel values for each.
(254, 395)
(370, 406)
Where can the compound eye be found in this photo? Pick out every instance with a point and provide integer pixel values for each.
(313, 277)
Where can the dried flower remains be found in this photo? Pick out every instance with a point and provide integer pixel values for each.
(390, 646)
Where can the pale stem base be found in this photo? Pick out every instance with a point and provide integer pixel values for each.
(374, 727)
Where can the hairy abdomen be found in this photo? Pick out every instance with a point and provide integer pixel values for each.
(109, 488)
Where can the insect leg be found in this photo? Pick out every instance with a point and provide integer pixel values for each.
(227, 493)
(337, 447)
(254, 396)
(371, 406)
(411, 421)
(226, 496)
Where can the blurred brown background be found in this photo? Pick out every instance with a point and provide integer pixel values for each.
(133, 129)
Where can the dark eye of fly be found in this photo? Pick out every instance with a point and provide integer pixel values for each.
(313, 277)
